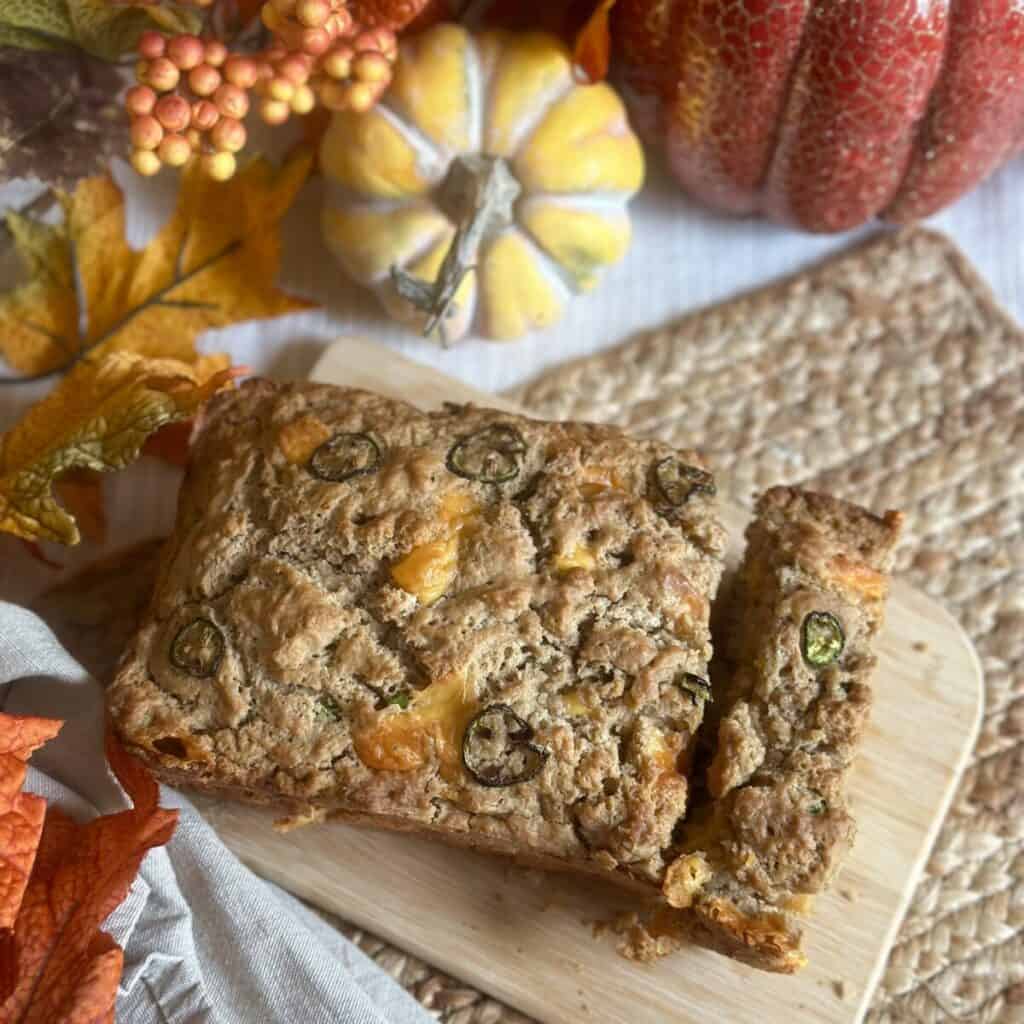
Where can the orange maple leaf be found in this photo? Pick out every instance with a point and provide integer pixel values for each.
(21, 822)
(67, 969)
(592, 47)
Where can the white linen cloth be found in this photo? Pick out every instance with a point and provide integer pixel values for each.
(205, 940)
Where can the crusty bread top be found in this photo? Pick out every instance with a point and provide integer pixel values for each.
(345, 604)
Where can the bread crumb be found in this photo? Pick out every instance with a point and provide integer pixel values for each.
(849, 893)
(840, 988)
(919, 646)
(308, 816)
(644, 939)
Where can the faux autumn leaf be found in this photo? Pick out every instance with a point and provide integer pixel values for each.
(59, 116)
(592, 49)
(80, 491)
(212, 264)
(97, 26)
(67, 969)
(97, 418)
(21, 823)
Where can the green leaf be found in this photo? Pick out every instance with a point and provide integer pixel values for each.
(40, 24)
(103, 28)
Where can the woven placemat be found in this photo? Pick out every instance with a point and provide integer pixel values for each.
(890, 376)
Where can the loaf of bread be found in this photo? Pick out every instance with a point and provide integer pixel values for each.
(496, 630)
(463, 622)
(773, 825)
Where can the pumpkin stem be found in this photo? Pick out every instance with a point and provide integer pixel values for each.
(478, 195)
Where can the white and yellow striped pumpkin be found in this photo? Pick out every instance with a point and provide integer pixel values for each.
(460, 105)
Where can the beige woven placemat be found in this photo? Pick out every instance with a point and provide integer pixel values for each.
(890, 376)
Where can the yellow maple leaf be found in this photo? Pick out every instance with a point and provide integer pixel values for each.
(213, 263)
(97, 418)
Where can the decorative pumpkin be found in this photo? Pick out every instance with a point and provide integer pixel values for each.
(487, 186)
(827, 112)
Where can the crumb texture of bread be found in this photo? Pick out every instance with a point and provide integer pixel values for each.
(463, 620)
(803, 613)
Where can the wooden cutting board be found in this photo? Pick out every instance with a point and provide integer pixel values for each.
(526, 937)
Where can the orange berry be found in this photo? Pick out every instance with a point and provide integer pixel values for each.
(203, 79)
(146, 132)
(195, 139)
(274, 54)
(186, 51)
(214, 52)
(204, 115)
(304, 100)
(231, 101)
(228, 134)
(374, 68)
(175, 150)
(313, 13)
(367, 40)
(162, 74)
(152, 44)
(314, 41)
(280, 89)
(145, 162)
(338, 63)
(241, 72)
(295, 68)
(274, 111)
(219, 166)
(283, 7)
(139, 100)
(173, 112)
(361, 97)
(340, 22)
(334, 95)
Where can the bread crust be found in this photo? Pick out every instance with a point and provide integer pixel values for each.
(355, 590)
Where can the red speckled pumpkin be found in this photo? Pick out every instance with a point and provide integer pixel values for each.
(827, 112)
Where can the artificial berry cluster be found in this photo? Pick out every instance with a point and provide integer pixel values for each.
(193, 94)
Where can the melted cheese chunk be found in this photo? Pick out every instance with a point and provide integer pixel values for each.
(858, 577)
(300, 438)
(600, 480)
(402, 740)
(581, 557)
(428, 569)
(573, 702)
(684, 878)
(662, 753)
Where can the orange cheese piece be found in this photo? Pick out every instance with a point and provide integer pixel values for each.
(428, 569)
(858, 577)
(581, 557)
(300, 438)
(437, 716)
